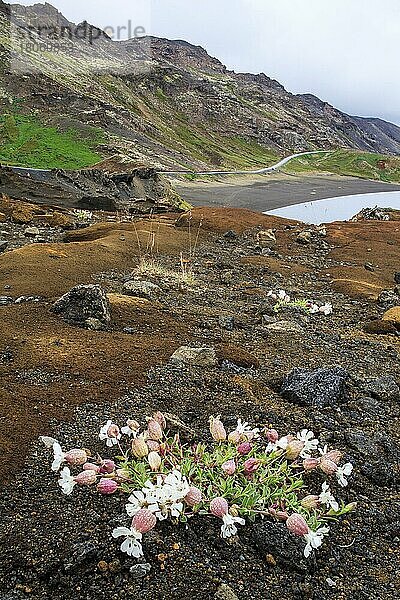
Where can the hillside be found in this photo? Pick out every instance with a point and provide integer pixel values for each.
(164, 102)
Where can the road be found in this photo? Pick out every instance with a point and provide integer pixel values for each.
(271, 169)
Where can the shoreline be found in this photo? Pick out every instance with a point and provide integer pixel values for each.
(263, 194)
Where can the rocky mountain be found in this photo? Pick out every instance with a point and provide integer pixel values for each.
(164, 102)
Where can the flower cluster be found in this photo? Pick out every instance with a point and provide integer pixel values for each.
(240, 475)
(283, 300)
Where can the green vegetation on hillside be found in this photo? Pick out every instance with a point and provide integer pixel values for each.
(25, 141)
(350, 162)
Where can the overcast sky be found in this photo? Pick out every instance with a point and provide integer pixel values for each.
(344, 51)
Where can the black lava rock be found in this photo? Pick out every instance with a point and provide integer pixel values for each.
(83, 302)
(397, 277)
(384, 389)
(320, 387)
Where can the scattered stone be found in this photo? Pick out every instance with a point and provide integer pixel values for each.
(199, 357)
(285, 327)
(304, 237)
(379, 327)
(128, 330)
(81, 303)
(3, 245)
(369, 267)
(384, 389)
(267, 319)
(225, 592)
(227, 323)
(393, 315)
(319, 387)
(266, 238)
(230, 235)
(31, 232)
(388, 298)
(3, 217)
(397, 278)
(140, 570)
(142, 289)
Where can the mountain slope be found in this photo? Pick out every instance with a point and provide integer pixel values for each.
(168, 102)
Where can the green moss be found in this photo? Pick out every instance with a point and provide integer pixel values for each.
(26, 141)
(367, 165)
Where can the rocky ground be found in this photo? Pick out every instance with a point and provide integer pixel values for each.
(64, 376)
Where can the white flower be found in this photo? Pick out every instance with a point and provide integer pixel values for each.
(314, 308)
(130, 428)
(310, 443)
(314, 539)
(327, 498)
(243, 428)
(66, 481)
(164, 498)
(136, 502)
(281, 444)
(343, 472)
(106, 431)
(59, 457)
(272, 295)
(131, 545)
(228, 529)
(326, 309)
(282, 295)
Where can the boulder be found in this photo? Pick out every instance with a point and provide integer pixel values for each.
(142, 289)
(22, 214)
(84, 303)
(304, 237)
(266, 238)
(388, 298)
(3, 245)
(285, 327)
(59, 219)
(393, 315)
(384, 389)
(379, 327)
(225, 592)
(319, 387)
(198, 357)
(31, 232)
(396, 275)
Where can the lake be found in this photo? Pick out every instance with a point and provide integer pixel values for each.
(341, 208)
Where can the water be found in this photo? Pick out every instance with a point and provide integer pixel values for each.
(341, 208)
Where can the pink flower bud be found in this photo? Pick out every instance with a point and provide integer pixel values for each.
(113, 431)
(229, 467)
(107, 486)
(272, 435)
(122, 475)
(154, 461)
(193, 497)
(76, 457)
(310, 502)
(86, 478)
(107, 467)
(139, 447)
(91, 467)
(217, 429)
(297, 524)
(144, 520)
(244, 448)
(282, 515)
(334, 455)
(153, 446)
(293, 449)
(159, 417)
(234, 437)
(310, 463)
(328, 466)
(154, 429)
(219, 507)
(251, 465)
